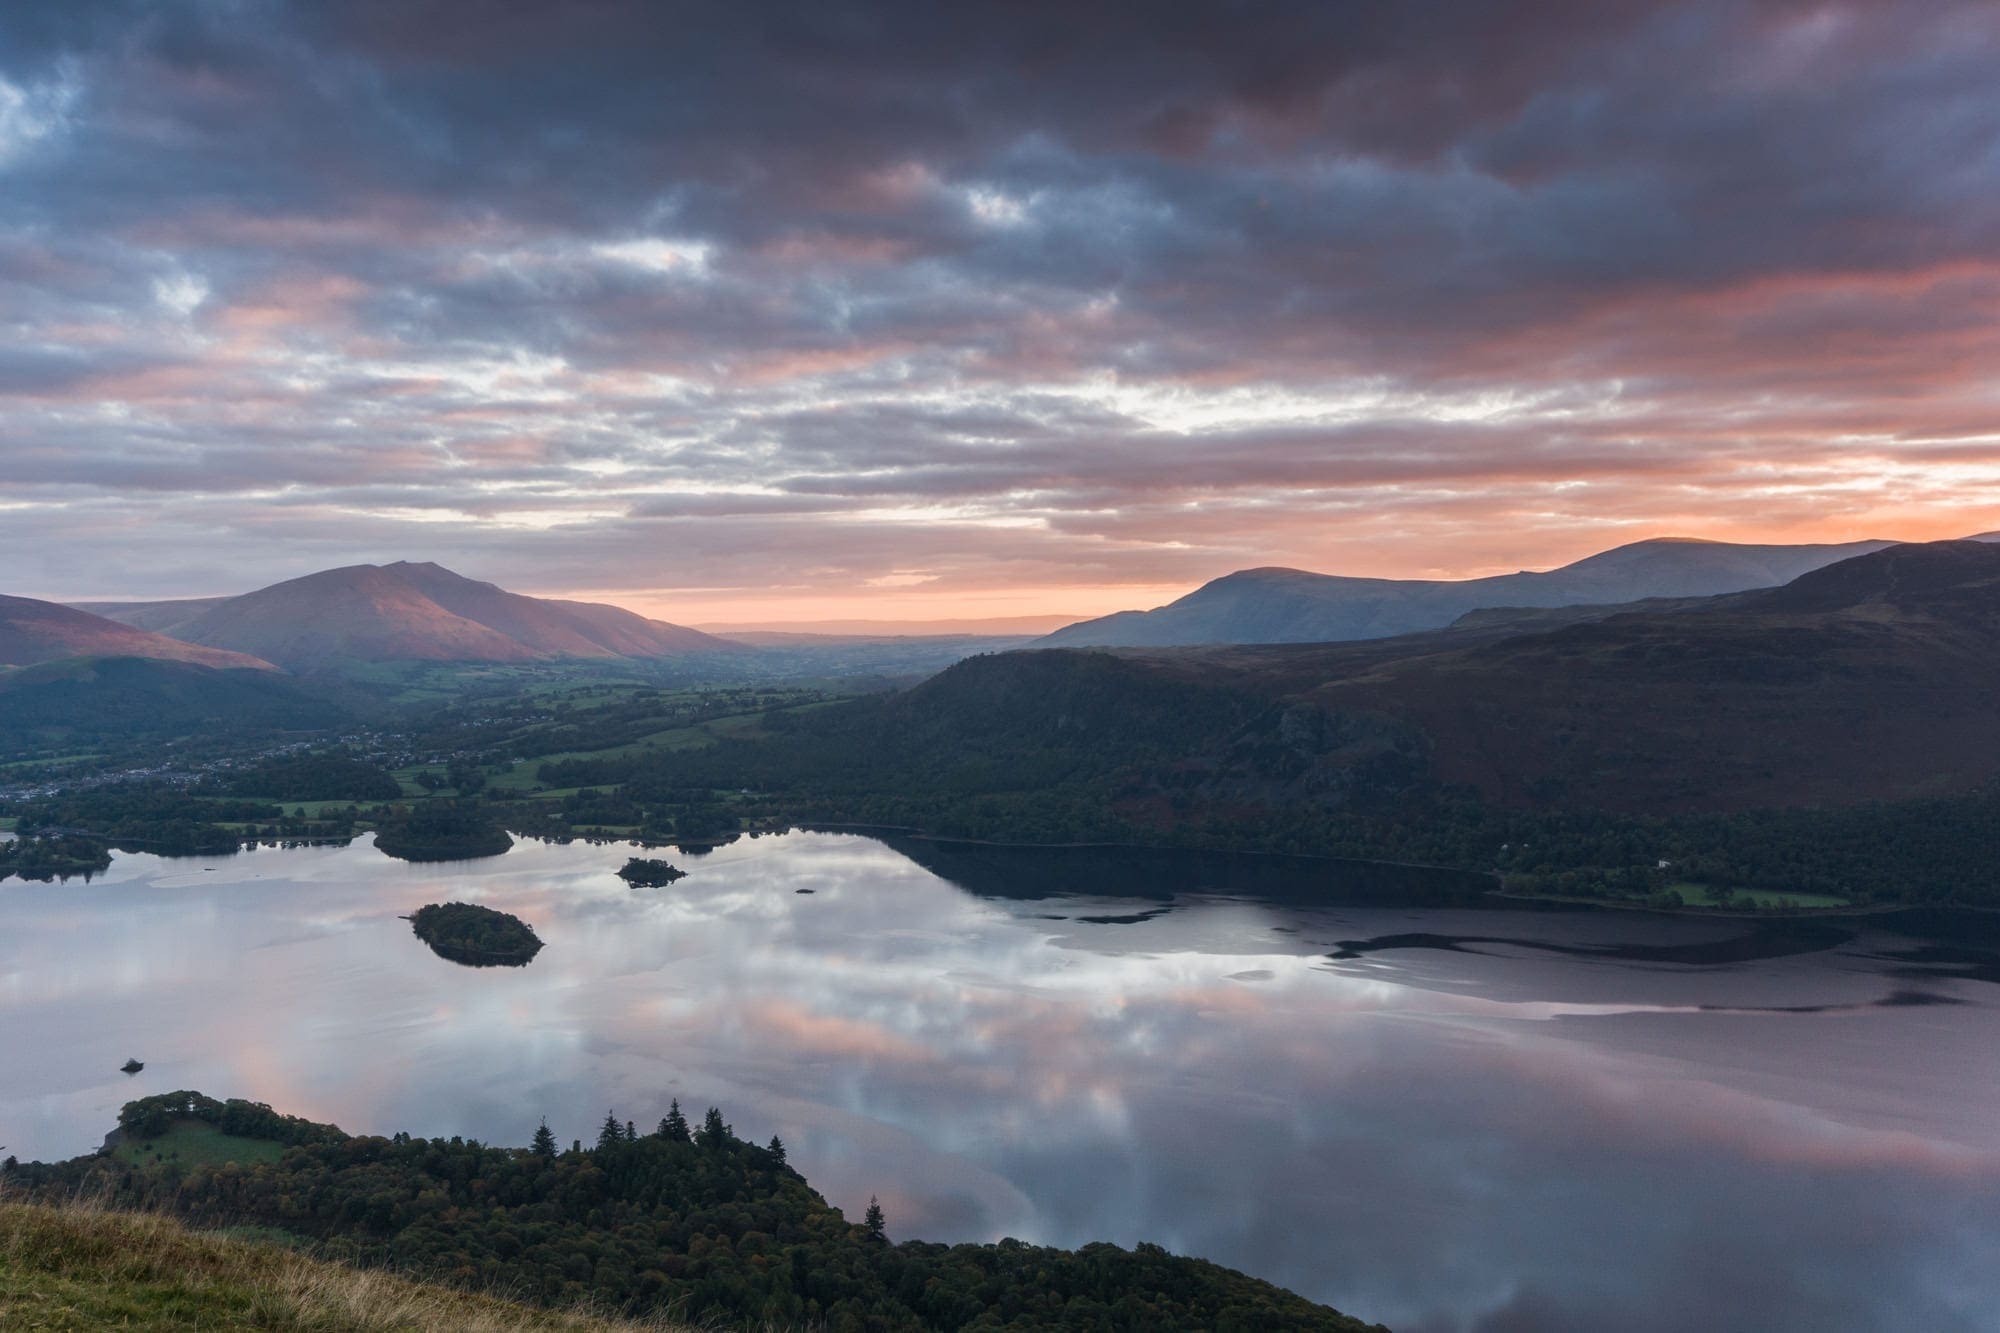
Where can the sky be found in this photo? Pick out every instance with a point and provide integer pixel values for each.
(754, 313)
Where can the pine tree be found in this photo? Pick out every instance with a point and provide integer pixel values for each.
(714, 1134)
(872, 1221)
(544, 1145)
(777, 1149)
(631, 1132)
(675, 1126)
(611, 1133)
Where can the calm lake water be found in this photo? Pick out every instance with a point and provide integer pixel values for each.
(1442, 1118)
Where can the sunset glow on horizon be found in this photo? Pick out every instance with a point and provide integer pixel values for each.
(784, 314)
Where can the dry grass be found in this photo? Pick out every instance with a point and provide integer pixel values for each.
(83, 1267)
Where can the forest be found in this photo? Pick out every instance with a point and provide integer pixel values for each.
(674, 1217)
(319, 775)
(1055, 758)
(442, 831)
(646, 873)
(474, 935)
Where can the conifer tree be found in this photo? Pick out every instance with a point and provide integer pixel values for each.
(714, 1134)
(675, 1126)
(777, 1149)
(544, 1145)
(611, 1133)
(873, 1222)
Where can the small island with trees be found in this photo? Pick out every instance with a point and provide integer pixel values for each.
(642, 873)
(442, 832)
(475, 936)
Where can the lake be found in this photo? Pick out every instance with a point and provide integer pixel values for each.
(1442, 1117)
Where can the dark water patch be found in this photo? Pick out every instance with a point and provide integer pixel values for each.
(1129, 919)
(998, 870)
(1773, 939)
(1916, 999)
(1899, 999)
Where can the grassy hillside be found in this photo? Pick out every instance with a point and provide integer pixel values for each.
(684, 1220)
(83, 1267)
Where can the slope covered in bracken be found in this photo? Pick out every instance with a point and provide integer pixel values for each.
(33, 632)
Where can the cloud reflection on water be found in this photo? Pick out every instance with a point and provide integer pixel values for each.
(1440, 1141)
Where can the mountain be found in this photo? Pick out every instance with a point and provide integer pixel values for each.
(155, 616)
(1865, 681)
(110, 700)
(32, 632)
(1870, 679)
(407, 612)
(1293, 606)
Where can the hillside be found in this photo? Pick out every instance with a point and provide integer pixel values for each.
(679, 1219)
(32, 632)
(155, 616)
(1871, 679)
(406, 612)
(1294, 606)
(114, 700)
(1835, 735)
(78, 1267)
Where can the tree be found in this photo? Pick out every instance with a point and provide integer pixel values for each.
(714, 1134)
(631, 1132)
(611, 1133)
(777, 1149)
(544, 1145)
(675, 1126)
(872, 1221)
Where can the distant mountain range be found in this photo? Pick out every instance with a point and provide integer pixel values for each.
(33, 632)
(1294, 606)
(1871, 679)
(406, 612)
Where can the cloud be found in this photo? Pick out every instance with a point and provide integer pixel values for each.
(1103, 300)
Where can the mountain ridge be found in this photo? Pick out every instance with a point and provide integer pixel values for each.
(1277, 604)
(409, 611)
(33, 632)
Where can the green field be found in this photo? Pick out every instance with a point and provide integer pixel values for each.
(521, 778)
(196, 1143)
(1708, 895)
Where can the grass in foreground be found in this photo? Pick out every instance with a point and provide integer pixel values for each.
(80, 1267)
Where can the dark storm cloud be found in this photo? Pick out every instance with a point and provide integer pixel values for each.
(1453, 274)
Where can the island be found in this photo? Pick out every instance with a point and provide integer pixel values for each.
(53, 856)
(642, 873)
(475, 936)
(437, 832)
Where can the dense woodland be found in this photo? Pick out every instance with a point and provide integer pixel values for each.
(320, 775)
(646, 873)
(443, 831)
(56, 856)
(674, 1217)
(474, 935)
(1051, 754)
